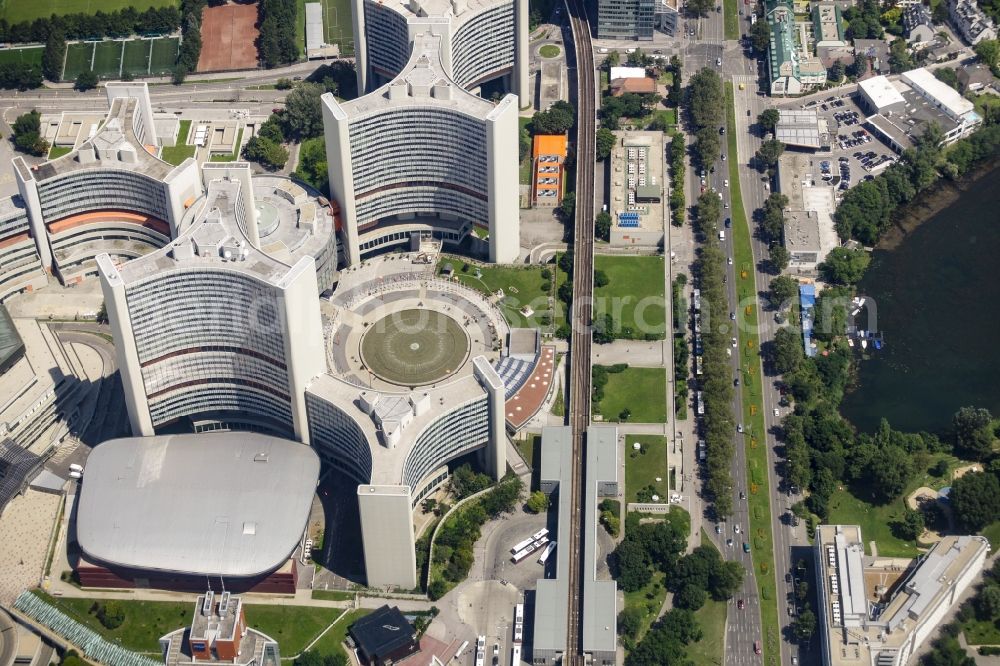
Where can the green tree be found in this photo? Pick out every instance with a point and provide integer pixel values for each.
(537, 502)
(784, 290)
(557, 119)
(910, 526)
(890, 471)
(780, 257)
(437, 589)
(705, 98)
(768, 119)
(787, 350)
(760, 36)
(691, 597)
(568, 206)
(726, 580)
(836, 71)
(844, 265)
(804, 625)
(630, 621)
(85, 80)
(54, 55)
(303, 116)
(947, 75)
(630, 566)
(27, 134)
(178, 75)
(769, 152)
(988, 51)
(701, 7)
(111, 614)
(265, 152)
(605, 143)
(988, 603)
(602, 225)
(707, 147)
(601, 278)
(975, 499)
(974, 432)
(284, 83)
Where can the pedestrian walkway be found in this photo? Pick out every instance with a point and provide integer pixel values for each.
(25, 529)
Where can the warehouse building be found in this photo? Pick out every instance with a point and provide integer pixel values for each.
(879, 610)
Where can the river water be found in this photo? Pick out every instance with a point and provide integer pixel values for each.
(936, 282)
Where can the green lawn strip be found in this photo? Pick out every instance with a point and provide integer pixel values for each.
(846, 509)
(549, 51)
(135, 59)
(331, 641)
(16, 11)
(108, 59)
(29, 55)
(180, 151)
(981, 632)
(650, 599)
(294, 627)
(712, 619)
(163, 55)
(300, 26)
(731, 9)
(78, 57)
(762, 548)
(643, 467)
(333, 595)
(59, 151)
(642, 390)
(521, 286)
(634, 294)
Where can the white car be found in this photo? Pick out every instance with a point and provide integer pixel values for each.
(718, 62)
(725, 183)
(776, 412)
(730, 261)
(734, 343)
(736, 528)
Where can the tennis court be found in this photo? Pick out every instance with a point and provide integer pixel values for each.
(31, 56)
(337, 20)
(108, 59)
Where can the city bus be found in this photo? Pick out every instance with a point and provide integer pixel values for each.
(548, 551)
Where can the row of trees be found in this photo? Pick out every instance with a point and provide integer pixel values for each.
(116, 23)
(27, 137)
(190, 49)
(866, 210)
(717, 383)
(706, 106)
(677, 169)
(276, 44)
(459, 533)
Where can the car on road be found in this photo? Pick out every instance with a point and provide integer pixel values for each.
(736, 529)
(743, 495)
(740, 604)
(736, 382)
(739, 428)
(725, 182)
(723, 157)
(746, 549)
(730, 261)
(729, 222)
(722, 130)
(729, 543)
(776, 412)
(718, 62)
(718, 529)
(734, 342)
(732, 316)
(756, 644)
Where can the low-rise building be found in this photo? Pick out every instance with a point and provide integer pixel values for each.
(809, 229)
(801, 128)
(917, 25)
(219, 634)
(876, 52)
(384, 637)
(637, 192)
(828, 25)
(975, 77)
(792, 70)
(971, 21)
(549, 154)
(879, 610)
(643, 86)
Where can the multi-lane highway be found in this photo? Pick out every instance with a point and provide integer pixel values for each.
(582, 310)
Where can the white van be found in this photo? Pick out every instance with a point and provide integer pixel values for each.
(75, 475)
(76, 468)
(722, 235)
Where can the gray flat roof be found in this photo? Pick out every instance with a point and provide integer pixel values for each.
(314, 25)
(222, 504)
(798, 128)
(600, 613)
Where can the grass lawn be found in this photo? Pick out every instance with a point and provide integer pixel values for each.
(666, 79)
(337, 17)
(181, 151)
(633, 296)
(712, 619)
(77, 60)
(32, 56)
(292, 626)
(643, 467)
(108, 59)
(526, 163)
(59, 151)
(136, 56)
(731, 9)
(846, 509)
(521, 286)
(753, 416)
(331, 641)
(531, 450)
(549, 51)
(333, 595)
(164, 55)
(650, 599)
(15, 11)
(979, 632)
(983, 101)
(642, 390)
(145, 621)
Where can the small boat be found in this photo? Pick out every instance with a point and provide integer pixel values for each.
(850, 342)
(878, 343)
(864, 344)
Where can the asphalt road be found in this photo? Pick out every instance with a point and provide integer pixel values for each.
(583, 291)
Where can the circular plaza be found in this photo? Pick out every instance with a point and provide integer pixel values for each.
(393, 324)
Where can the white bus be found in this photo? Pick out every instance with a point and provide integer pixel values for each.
(515, 656)
(461, 650)
(521, 545)
(480, 650)
(548, 551)
(539, 534)
(519, 613)
(521, 555)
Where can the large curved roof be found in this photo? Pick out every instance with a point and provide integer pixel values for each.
(222, 504)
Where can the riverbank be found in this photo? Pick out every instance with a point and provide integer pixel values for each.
(940, 196)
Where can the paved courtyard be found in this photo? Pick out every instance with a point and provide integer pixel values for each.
(24, 538)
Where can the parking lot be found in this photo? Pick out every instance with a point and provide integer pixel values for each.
(856, 154)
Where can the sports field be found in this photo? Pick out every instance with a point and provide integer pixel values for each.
(33, 56)
(110, 58)
(16, 11)
(337, 20)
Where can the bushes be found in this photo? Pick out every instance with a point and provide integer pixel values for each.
(27, 134)
(190, 50)
(116, 23)
(677, 176)
(20, 75)
(111, 614)
(54, 55)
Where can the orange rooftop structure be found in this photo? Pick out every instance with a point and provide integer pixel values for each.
(549, 155)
